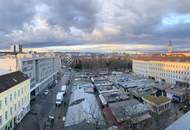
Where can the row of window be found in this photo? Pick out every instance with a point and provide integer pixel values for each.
(13, 96)
(172, 65)
(17, 106)
(163, 65)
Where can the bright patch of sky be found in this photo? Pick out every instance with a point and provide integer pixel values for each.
(174, 19)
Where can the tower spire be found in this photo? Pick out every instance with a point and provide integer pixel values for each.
(170, 47)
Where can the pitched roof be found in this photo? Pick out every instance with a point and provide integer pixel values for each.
(11, 79)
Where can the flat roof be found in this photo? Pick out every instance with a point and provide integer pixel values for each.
(11, 79)
(181, 124)
(128, 109)
(157, 100)
(115, 96)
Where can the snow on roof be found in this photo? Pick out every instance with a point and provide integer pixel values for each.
(181, 124)
(76, 95)
(85, 111)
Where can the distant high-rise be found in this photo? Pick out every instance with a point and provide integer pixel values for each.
(16, 48)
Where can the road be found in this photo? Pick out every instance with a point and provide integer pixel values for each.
(43, 106)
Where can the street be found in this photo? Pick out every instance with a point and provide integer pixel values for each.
(43, 106)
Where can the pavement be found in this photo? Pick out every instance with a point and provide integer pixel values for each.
(43, 106)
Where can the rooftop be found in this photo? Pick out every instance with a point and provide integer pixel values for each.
(128, 109)
(181, 124)
(11, 79)
(115, 96)
(177, 90)
(83, 108)
(157, 100)
(163, 58)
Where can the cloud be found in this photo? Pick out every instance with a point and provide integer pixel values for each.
(13, 13)
(76, 22)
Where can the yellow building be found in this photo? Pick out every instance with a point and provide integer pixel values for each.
(14, 99)
(174, 70)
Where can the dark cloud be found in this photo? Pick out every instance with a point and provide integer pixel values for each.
(70, 22)
(13, 13)
(78, 13)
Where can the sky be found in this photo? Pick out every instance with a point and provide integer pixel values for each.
(95, 24)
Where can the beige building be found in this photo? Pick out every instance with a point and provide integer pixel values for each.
(171, 69)
(14, 99)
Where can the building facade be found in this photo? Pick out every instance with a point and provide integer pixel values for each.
(41, 69)
(158, 105)
(174, 70)
(14, 99)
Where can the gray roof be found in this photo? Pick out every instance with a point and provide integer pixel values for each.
(115, 96)
(77, 95)
(182, 123)
(86, 110)
(11, 79)
(128, 109)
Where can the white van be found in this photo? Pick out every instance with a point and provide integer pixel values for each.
(63, 89)
(59, 98)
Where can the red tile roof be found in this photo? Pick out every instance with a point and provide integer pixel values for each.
(163, 58)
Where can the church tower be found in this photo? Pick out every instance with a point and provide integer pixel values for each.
(170, 47)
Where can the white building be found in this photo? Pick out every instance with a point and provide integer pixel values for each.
(42, 69)
(14, 99)
(174, 70)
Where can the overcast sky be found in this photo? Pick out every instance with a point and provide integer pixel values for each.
(51, 23)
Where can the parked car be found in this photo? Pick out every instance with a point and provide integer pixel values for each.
(184, 109)
(46, 92)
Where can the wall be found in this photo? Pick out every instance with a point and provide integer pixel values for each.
(18, 104)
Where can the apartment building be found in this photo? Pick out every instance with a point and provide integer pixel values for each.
(171, 69)
(14, 99)
(42, 69)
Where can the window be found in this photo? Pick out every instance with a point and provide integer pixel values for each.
(0, 120)
(0, 104)
(5, 100)
(11, 97)
(25, 87)
(15, 95)
(19, 104)
(22, 101)
(11, 111)
(15, 107)
(22, 90)
(19, 92)
(6, 115)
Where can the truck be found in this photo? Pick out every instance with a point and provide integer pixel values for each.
(63, 89)
(59, 98)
